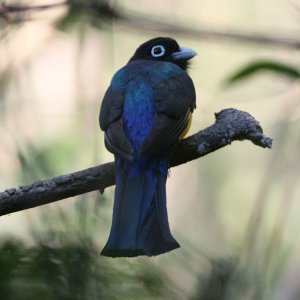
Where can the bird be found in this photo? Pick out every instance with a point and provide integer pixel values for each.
(145, 111)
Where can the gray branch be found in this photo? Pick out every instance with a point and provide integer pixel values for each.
(230, 125)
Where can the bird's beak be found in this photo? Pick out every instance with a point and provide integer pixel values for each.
(184, 54)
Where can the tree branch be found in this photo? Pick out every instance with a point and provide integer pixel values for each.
(230, 125)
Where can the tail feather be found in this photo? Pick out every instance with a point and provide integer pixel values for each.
(140, 222)
(155, 231)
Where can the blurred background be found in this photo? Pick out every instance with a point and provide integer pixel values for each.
(234, 212)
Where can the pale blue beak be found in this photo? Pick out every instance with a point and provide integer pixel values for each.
(184, 54)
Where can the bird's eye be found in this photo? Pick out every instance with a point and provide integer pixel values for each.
(158, 51)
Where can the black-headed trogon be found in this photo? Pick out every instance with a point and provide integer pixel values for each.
(145, 111)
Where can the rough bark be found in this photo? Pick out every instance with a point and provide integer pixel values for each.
(230, 125)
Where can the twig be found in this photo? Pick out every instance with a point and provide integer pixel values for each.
(142, 23)
(139, 22)
(230, 125)
(12, 8)
(16, 13)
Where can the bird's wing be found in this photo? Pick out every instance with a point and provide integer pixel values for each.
(175, 100)
(111, 122)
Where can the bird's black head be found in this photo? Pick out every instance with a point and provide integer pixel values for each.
(164, 49)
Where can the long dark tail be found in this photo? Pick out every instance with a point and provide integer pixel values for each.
(140, 222)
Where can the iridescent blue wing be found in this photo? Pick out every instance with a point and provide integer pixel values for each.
(175, 100)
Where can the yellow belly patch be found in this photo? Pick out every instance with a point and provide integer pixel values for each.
(187, 128)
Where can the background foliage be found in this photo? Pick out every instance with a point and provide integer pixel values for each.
(234, 212)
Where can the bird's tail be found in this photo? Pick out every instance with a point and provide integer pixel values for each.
(140, 222)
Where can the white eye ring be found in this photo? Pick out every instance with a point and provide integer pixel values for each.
(156, 49)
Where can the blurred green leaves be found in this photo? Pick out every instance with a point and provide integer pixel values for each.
(38, 162)
(64, 262)
(260, 66)
(94, 13)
